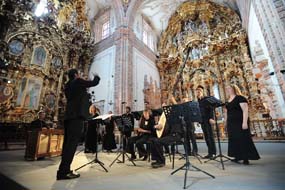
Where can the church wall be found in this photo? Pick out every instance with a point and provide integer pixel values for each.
(260, 54)
(104, 65)
(145, 76)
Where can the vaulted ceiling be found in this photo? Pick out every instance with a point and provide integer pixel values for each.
(159, 11)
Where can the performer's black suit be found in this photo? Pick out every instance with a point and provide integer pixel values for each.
(207, 113)
(77, 110)
(127, 131)
(191, 137)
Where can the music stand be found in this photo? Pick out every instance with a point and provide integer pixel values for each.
(176, 114)
(122, 122)
(98, 120)
(215, 103)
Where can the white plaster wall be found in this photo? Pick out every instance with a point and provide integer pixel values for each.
(142, 66)
(113, 21)
(255, 34)
(104, 65)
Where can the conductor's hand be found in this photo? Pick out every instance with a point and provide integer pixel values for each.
(211, 121)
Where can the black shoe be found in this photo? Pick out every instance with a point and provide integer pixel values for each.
(133, 157)
(70, 175)
(153, 163)
(235, 160)
(158, 165)
(209, 156)
(87, 151)
(145, 158)
(194, 153)
(245, 162)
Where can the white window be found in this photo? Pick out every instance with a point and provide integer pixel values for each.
(151, 45)
(145, 37)
(106, 30)
(41, 8)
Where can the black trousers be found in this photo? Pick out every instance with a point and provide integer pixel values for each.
(191, 137)
(72, 134)
(158, 143)
(139, 141)
(209, 137)
(127, 135)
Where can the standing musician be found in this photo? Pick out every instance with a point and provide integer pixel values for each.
(91, 134)
(146, 131)
(127, 131)
(109, 142)
(207, 113)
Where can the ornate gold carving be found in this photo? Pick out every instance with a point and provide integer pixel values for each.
(218, 52)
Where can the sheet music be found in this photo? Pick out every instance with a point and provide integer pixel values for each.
(104, 116)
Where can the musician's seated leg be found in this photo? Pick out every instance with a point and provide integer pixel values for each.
(130, 146)
(140, 146)
(157, 154)
(157, 148)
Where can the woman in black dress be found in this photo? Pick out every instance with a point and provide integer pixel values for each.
(109, 142)
(91, 134)
(240, 145)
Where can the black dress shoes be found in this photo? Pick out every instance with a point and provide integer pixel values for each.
(69, 175)
(235, 160)
(246, 162)
(145, 158)
(209, 156)
(158, 165)
(133, 157)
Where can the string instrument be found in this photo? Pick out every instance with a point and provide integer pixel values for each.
(162, 119)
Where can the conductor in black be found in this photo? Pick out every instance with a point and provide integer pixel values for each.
(77, 109)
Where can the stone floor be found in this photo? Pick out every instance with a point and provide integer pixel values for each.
(267, 173)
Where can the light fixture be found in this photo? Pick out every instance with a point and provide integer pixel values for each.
(41, 8)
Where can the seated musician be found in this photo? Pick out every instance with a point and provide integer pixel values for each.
(146, 131)
(39, 123)
(173, 133)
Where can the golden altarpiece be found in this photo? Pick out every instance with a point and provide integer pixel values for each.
(218, 54)
(36, 51)
(35, 54)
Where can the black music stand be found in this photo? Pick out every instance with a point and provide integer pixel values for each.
(215, 103)
(176, 114)
(122, 122)
(95, 160)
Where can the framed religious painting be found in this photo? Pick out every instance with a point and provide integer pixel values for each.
(16, 47)
(6, 92)
(50, 101)
(39, 56)
(29, 93)
(56, 63)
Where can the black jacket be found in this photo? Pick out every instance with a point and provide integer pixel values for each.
(206, 110)
(77, 98)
